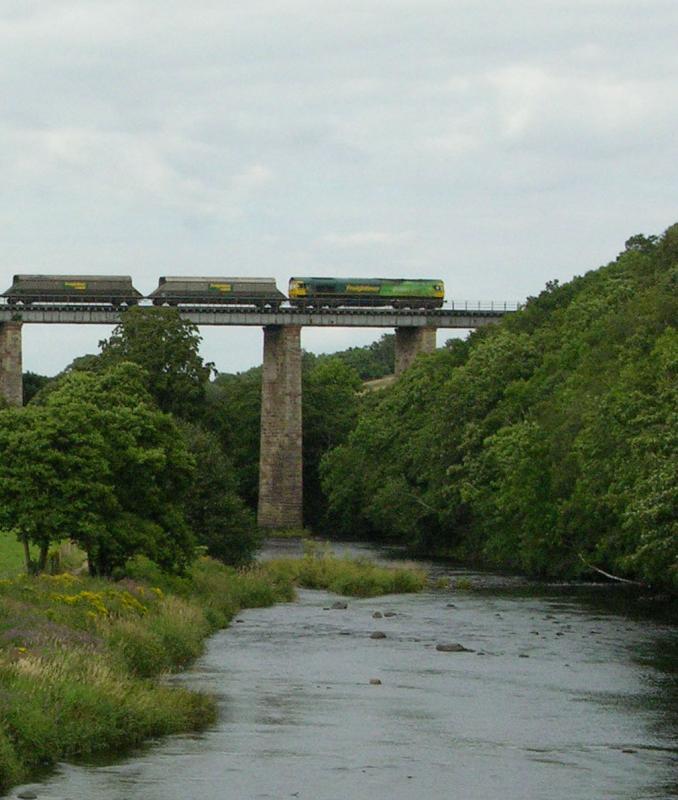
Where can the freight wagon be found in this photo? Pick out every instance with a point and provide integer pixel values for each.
(114, 290)
(260, 292)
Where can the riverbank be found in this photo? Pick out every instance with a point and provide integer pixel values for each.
(567, 695)
(81, 658)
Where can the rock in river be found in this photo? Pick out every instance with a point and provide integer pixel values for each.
(453, 647)
(378, 635)
(340, 605)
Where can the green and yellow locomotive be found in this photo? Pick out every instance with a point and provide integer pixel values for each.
(394, 292)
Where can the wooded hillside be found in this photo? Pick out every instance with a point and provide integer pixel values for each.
(546, 443)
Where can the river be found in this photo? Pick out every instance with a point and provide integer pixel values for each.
(565, 696)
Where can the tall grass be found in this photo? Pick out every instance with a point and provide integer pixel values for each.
(318, 569)
(76, 656)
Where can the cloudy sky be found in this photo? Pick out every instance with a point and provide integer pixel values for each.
(494, 144)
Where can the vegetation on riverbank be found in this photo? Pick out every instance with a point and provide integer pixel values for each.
(104, 457)
(135, 450)
(356, 577)
(545, 444)
(80, 657)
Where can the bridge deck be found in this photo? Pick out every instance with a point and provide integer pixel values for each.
(230, 315)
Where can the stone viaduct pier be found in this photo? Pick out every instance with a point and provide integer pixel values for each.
(280, 468)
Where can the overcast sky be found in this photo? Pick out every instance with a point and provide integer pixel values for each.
(494, 144)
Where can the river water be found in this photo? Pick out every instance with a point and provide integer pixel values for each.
(566, 696)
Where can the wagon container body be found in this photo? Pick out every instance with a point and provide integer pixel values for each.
(206, 290)
(397, 292)
(109, 289)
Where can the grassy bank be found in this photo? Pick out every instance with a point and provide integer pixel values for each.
(80, 657)
(357, 577)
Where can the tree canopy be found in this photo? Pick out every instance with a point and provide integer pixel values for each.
(96, 462)
(221, 520)
(546, 443)
(167, 348)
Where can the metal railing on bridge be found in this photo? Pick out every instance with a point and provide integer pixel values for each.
(483, 305)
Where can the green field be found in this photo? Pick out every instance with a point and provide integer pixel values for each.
(11, 556)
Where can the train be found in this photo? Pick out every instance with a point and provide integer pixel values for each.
(304, 293)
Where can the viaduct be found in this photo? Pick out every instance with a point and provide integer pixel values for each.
(280, 468)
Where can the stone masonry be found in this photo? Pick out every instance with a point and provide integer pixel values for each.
(410, 342)
(11, 379)
(280, 461)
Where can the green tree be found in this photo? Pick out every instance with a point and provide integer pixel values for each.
(33, 383)
(546, 443)
(370, 361)
(94, 461)
(55, 480)
(167, 348)
(233, 413)
(219, 518)
(330, 410)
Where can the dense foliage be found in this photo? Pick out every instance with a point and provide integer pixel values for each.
(102, 456)
(546, 443)
(32, 384)
(221, 520)
(97, 463)
(330, 404)
(167, 347)
(233, 414)
(371, 361)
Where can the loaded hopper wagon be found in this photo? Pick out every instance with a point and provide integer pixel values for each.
(115, 290)
(260, 292)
